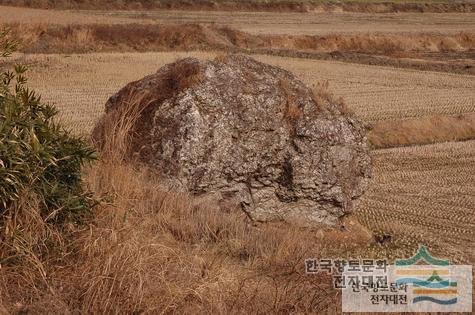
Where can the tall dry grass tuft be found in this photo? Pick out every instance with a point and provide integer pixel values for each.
(123, 131)
(423, 130)
(291, 111)
(114, 132)
(325, 100)
(26, 242)
(155, 251)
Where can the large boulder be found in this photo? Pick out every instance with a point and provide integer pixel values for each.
(249, 134)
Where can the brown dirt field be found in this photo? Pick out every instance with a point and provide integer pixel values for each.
(379, 6)
(456, 62)
(259, 22)
(81, 84)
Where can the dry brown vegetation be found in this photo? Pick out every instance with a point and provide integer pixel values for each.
(152, 251)
(292, 112)
(423, 130)
(443, 46)
(117, 124)
(140, 37)
(374, 6)
(413, 50)
(325, 99)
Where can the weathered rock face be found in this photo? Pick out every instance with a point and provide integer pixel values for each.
(250, 134)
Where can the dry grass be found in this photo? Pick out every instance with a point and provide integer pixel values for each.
(451, 52)
(26, 239)
(291, 111)
(152, 251)
(140, 37)
(166, 253)
(114, 131)
(324, 99)
(424, 130)
(123, 37)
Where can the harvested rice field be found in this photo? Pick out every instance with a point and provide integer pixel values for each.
(83, 83)
(313, 23)
(424, 194)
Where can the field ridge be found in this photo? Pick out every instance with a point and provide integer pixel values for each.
(416, 50)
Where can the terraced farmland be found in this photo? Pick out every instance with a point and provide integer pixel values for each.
(146, 250)
(312, 23)
(81, 84)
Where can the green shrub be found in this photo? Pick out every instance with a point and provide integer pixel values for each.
(38, 157)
